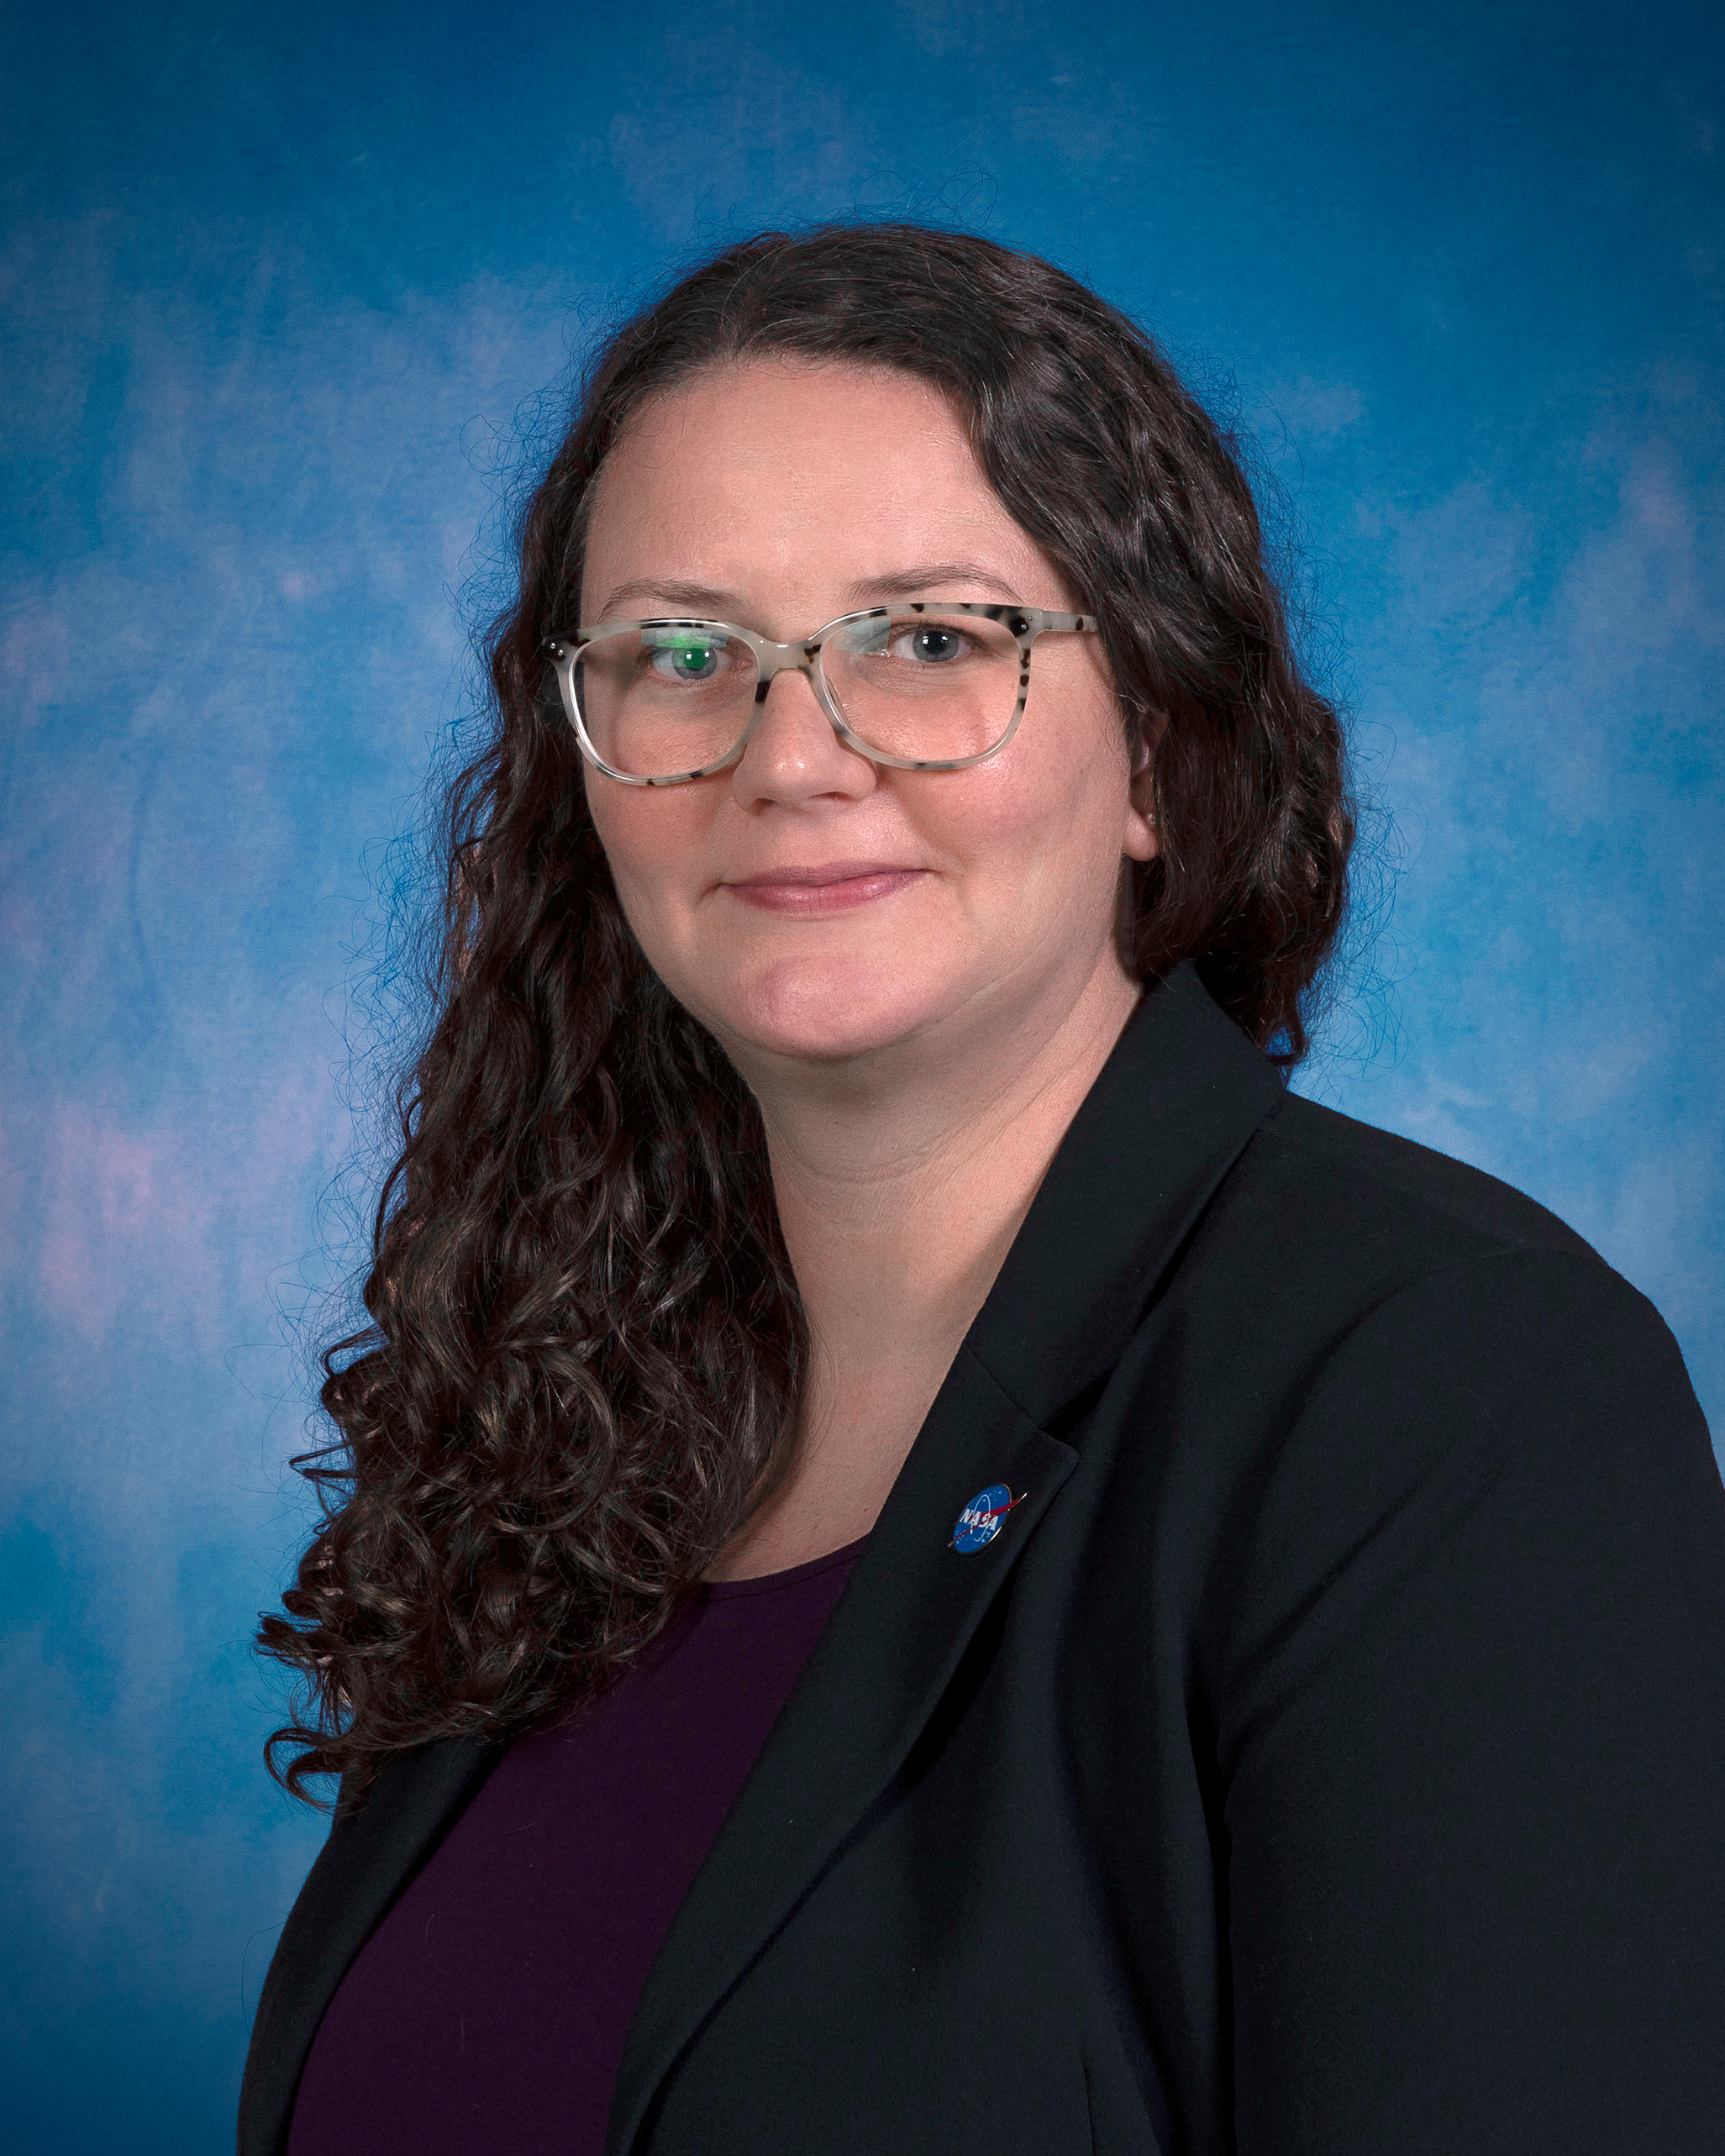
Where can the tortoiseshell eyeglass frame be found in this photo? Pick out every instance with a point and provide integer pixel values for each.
(1026, 623)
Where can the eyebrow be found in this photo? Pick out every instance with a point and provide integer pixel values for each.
(706, 599)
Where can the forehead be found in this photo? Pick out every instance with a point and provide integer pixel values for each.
(760, 415)
(796, 471)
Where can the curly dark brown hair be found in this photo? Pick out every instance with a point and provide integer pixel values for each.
(587, 1347)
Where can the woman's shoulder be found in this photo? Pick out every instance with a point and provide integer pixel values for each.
(1398, 1374)
(1344, 1217)
(1362, 1176)
(1366, 1256)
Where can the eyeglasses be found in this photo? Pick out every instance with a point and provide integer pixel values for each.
(925, 686)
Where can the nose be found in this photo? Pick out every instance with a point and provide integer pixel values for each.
(794, 752)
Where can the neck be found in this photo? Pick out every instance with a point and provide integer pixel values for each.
(899, 1198)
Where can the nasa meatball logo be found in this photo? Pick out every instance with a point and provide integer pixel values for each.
(980, 1521)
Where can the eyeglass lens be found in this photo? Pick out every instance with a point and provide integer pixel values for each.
(927, 686)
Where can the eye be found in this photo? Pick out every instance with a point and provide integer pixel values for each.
(927, 643)
(686, 654)
(916, 642)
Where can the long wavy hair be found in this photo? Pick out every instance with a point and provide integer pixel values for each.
(586, 1349)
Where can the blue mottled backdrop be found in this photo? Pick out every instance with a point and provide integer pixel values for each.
(282, 287)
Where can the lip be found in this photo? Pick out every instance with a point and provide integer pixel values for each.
(832, 887)
(813, 878)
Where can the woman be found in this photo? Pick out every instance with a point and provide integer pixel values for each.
(928, 1559)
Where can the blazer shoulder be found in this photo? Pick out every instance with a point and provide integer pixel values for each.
(1324, 1221)
(1361, 1178)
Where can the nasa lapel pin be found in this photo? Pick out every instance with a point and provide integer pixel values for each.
(980, 1521)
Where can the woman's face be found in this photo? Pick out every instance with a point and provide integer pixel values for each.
(784, 489)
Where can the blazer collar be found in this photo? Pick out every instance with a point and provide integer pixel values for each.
(1176, 1103)
(1171, 1112)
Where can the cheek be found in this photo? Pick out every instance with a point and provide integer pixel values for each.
(645, 839)
(1067, 791)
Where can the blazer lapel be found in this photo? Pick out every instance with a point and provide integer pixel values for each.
(1172, 1109)
(1176, 1105)
(874, 1678)
(356, 1875)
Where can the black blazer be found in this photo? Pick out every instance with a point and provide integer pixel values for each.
(1328, 1754)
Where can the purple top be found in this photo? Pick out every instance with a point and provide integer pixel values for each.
(487, 2012)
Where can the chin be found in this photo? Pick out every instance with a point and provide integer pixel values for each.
(824, 1009)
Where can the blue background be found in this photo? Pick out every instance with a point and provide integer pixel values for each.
(281, 289)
